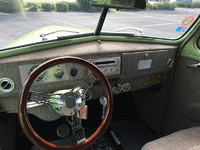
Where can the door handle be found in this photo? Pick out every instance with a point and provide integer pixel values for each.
(194, 66)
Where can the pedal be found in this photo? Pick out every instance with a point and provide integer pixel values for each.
(103, 144)
(63, 130)
(115, 138)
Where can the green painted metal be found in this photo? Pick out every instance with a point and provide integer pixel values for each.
(191, 50)
(34, 36)
(42, 46)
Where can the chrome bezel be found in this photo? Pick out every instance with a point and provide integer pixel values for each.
(70, 73)
(198, 42)
(170, 62)
(39, 75)
(62, 76)
(122, 87)
(117, 91)
(11, 83)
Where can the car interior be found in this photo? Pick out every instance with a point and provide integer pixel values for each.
(100, 91)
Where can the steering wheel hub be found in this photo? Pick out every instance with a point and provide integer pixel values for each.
(67, 103)
(71, 100)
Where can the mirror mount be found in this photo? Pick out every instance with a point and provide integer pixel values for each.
(101, 21)
(138, 4)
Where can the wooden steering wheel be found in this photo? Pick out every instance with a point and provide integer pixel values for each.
(24, 93)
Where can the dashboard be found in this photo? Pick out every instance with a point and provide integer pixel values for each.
(128, 67)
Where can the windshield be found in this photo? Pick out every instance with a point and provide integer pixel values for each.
(159, 24)
(29, 21)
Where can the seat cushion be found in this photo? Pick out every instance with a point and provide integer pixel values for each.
(187, 139)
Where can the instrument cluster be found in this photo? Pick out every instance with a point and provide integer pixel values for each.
(56, 73)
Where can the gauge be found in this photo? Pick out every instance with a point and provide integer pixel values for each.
(41, 77)
(74, 72)
(59, 73)
(198, 43)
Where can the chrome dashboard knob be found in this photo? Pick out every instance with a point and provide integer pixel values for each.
(117, 88)
(126, 87)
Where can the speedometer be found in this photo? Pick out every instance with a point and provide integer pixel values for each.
(41, 77)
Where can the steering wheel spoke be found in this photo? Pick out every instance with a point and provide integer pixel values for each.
(41, 97)
(87, 83)
(77, 129)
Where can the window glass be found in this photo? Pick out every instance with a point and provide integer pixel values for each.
(28, 21)
(166, 24)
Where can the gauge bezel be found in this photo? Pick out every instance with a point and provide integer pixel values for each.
(39, 75)
(9, 81)
(75, 75)
(62, 75)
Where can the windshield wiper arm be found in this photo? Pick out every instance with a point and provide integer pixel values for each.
(44, 38)
(129, 28)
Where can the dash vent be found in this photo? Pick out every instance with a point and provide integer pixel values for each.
(6, 85)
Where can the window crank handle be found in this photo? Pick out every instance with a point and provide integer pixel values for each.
(194, 66)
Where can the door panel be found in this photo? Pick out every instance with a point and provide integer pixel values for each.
(184, 106)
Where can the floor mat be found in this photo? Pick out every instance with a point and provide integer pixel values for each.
(132, 134)
(70, 140)
(62, 142)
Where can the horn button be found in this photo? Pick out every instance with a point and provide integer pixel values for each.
(70, 101)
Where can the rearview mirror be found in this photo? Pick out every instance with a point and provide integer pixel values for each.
(119, 4)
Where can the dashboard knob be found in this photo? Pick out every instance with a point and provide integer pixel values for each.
(117, 88)
(88, 95)
(126, 87)
(112, 69)
(106, 70)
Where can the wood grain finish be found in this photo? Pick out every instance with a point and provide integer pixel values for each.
(22, 110)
